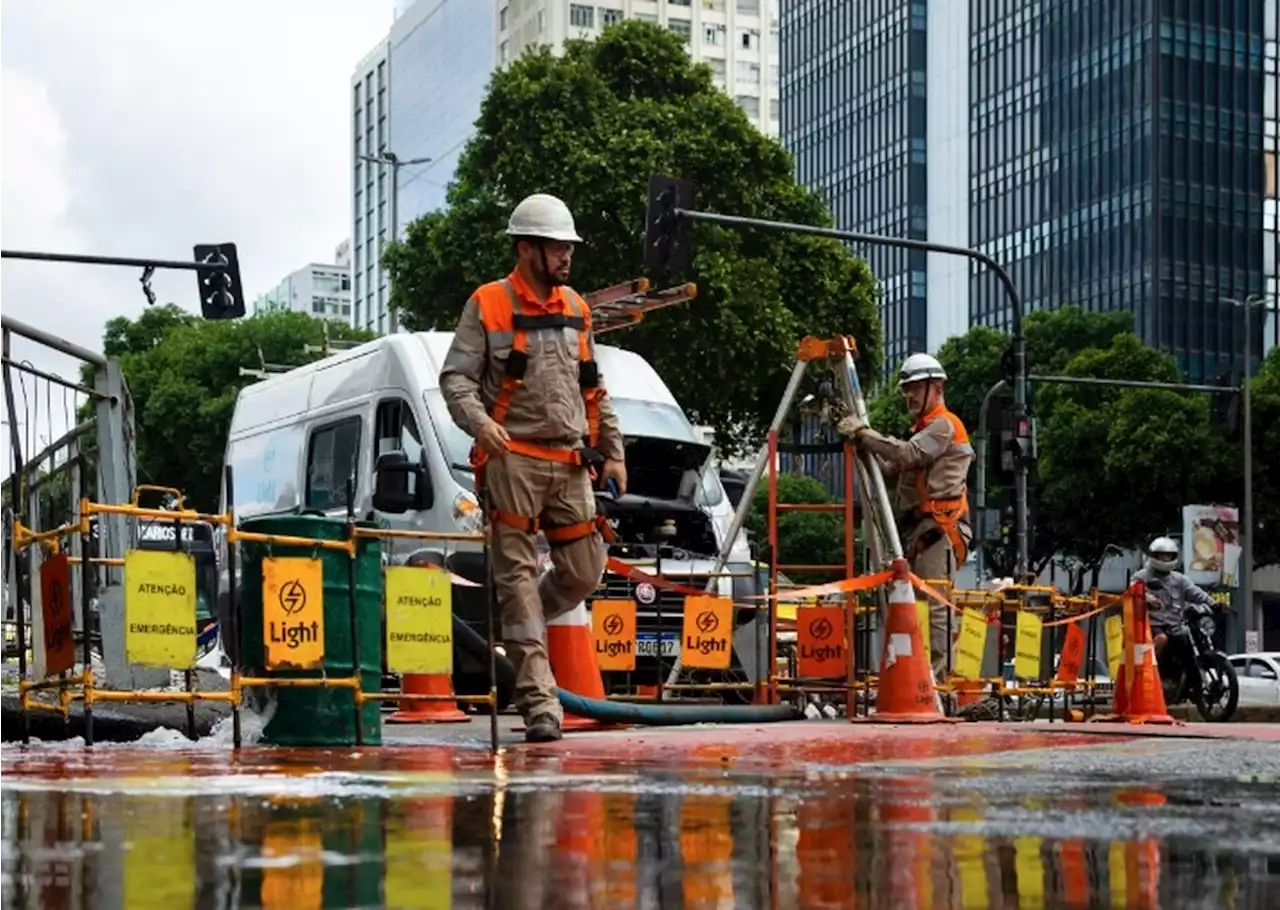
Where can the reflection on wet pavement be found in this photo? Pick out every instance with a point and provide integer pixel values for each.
(715, 826)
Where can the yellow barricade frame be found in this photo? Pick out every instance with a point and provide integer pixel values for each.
(82, 687)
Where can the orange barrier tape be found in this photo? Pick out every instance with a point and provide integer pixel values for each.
(846, 586)
(618, 567)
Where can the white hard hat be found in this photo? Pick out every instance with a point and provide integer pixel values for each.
(541, 215)
(918, 367)
(1162, 554)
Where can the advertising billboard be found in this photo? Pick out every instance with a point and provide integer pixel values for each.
(1211, 545)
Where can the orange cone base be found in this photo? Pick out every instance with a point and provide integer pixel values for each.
(889, 718)
(428, 712)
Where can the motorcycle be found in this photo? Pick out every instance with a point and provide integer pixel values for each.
(1193, 671)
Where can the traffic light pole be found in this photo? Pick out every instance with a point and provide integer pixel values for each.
(1018, 347)
(210, 260)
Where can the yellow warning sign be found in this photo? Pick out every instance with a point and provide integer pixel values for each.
(708, 631)
(160, 608)
(972, 645)
(1026, 646)
(293, 612)
(419, 620)
(922, 616)
(1114, 630)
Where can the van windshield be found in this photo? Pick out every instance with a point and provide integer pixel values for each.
(637, 418)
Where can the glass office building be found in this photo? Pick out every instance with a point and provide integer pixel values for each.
(1119, 156)
(854, 115)
(442, 55)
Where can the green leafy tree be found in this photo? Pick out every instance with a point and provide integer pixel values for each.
(183, 374)
(804, 538)
(1115, 465)
(590, 126)
(1265, 392)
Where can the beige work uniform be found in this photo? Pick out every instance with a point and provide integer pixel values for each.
(547, 410)
(939, 447)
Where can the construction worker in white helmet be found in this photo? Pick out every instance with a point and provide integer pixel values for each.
(522, 380)
(932, 470)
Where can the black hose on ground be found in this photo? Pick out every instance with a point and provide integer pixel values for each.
(618, 712)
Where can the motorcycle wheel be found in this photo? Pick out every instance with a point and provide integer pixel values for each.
(1219, 711)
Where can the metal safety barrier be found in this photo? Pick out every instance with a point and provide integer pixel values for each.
(59, 635)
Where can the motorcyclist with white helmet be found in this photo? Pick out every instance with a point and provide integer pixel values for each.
(932, 467)
(1168, 590)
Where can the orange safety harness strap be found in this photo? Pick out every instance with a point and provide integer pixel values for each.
(946, 513)
(513, 379)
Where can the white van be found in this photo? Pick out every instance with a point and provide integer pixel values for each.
(377, 409)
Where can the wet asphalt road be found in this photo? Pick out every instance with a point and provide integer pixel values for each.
(795, 815)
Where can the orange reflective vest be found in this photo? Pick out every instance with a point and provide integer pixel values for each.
(502, 312)
(945, 512)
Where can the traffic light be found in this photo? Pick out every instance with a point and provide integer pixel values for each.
(221, 296)
(1018, 445)
(666, 234)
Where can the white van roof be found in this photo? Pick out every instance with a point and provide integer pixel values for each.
(397, 361)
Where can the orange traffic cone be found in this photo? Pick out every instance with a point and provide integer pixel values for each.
(420, 711)
(906, 693)
(573, 661)
(1145, 702)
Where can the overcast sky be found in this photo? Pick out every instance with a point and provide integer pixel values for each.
(141, 128)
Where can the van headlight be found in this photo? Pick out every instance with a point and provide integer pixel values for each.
(466, 513)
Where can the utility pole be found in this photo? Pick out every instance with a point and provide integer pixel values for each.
(385, 157)
(1252, 621)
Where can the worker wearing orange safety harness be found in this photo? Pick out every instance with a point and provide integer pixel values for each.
(522, 380)
(932, 468)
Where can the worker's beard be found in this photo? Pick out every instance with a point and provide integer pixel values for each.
(548, 277)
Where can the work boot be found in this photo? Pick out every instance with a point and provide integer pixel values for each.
(544, 728)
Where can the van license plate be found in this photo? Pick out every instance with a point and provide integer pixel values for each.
(647, 644)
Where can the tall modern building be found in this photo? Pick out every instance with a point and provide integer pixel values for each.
(370, 190)
(418, 96)
(1110, 155)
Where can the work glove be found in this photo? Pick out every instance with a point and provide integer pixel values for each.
(849, 426)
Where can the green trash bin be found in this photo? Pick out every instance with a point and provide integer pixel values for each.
(318, 716)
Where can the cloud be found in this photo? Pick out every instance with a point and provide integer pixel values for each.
(142, 128)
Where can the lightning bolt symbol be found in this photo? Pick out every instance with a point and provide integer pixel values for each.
(291, 596)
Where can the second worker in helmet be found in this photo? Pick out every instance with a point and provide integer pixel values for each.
(932, 470)
(522, 380)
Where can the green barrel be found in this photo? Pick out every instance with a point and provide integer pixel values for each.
(318, 716)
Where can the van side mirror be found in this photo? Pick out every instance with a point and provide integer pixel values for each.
(400, 485)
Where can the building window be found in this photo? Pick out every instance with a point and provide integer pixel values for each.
(713, 6)
(610, 16)
(542, 20)
(502, 19)
(502, 53)
(748, 72)
(749, 6)
(679, 2)
(750, 105)
(749, 38)
(713, 35)
(681, 27)
(580, 16)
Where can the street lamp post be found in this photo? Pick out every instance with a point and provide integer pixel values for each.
(1252, 621)
(385, 157)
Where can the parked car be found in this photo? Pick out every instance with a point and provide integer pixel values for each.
(1259, 675)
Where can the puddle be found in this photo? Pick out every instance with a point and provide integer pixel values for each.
(439, 826)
